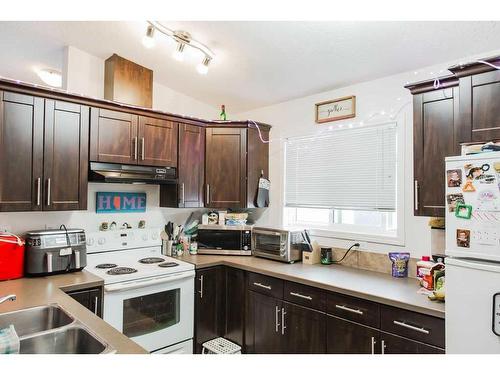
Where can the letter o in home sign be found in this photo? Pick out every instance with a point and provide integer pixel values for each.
(114, 202)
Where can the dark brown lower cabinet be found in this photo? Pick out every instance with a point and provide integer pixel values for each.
(235, 306)
(304, 330)
(209, 305)
(90, 298)
(345, 337)
(392, 344)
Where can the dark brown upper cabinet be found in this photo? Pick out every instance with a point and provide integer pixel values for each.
(120, 137)
(479, 97)
(65, 156)
(157, 142)
(113, 137)
(21, 152)
(44, 154)
(235, 158)
(435, 136)
(226, 167)
(191, 170)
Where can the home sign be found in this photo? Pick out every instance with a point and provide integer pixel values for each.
(115, 202)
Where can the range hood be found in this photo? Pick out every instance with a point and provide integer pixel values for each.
(130, 174)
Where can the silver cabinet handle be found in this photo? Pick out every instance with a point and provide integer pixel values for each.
(142, 148)
(135, 148)
(201, 287)
(383, 346)
(208, 194)
(183, 195)
(276, 319)
(38, 190)
(48, 192)
(96, 301)
(373, 344)
(262, 286)
(409, 326)
(416, 195)
(283, 325)
(301, 296)
(345, 308)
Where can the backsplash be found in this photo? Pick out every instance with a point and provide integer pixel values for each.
(369, 261)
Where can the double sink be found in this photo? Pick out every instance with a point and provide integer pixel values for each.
(51, 330)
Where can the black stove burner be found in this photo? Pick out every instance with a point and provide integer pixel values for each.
(106, 265)
(168, 264)
(121, 271)
(151, 260)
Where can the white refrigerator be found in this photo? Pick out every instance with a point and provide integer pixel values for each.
(473, 249)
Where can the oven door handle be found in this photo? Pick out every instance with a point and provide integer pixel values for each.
(143, 283)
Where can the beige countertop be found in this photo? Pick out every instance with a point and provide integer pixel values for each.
(39, 291)
(374, 286)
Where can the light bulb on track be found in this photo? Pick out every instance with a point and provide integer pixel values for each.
(148, 40)
(202, 68)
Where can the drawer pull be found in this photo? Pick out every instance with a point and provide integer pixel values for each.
(345, 308)
(262, 286)
(409, 326)
(301, 296)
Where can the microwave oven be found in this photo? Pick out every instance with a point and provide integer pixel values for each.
(280, 244)
(224, 240)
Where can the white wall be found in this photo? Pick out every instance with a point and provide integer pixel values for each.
(386, 95)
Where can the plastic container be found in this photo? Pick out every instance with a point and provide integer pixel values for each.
(424, 263)
(11, 257)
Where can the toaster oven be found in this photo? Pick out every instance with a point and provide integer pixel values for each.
(279, 244)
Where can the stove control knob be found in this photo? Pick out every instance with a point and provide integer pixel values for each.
(245, 247)
(90, 241)
(144, 237)
(154, 236)
(101, 241)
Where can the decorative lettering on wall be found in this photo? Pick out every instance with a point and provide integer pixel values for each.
(107, 201)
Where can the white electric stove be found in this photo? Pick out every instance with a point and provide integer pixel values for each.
(147, 296)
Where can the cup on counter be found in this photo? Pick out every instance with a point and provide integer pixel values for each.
(167, 247)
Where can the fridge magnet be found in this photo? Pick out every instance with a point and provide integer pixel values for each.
(468, 187)
(473, 172)
(463, 211)
(487, 179)
(487, 201)
(463, 238)
(453, 200)
(454, 177)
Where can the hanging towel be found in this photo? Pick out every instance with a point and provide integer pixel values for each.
(9, 341)
(263, 192)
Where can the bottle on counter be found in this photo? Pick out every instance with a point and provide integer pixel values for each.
(424, 263)
(222, 115)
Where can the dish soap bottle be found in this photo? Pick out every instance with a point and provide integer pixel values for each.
(222, 115)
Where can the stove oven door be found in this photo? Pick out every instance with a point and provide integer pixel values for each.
(154, 312)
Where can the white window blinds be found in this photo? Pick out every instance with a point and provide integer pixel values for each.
(345, 169)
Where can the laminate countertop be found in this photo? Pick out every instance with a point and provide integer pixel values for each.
(40, 291)
(369, 285)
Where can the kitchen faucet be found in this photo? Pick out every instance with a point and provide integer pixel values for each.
(8, 297)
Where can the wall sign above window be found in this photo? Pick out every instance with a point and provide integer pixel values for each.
(107, 202)
(337, 109)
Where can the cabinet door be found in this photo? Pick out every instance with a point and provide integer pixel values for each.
(479, 109)
(235, 305)
(263, 329)
(434, 139)
(209, 314)
(113, 137)
(345, 337)
(191, 165)
(90, 299)
(65, 156)
(157, 142)
(225, 168)
(21, 152)
(303, 329)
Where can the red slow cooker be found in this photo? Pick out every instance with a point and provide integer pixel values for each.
(11, 256)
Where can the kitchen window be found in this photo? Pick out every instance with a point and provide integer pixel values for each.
(345, 183)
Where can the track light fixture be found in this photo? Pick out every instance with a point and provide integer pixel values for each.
(183, 39)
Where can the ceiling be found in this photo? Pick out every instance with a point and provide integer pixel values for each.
(256, 63)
